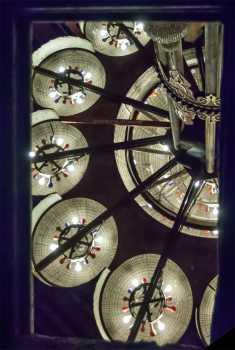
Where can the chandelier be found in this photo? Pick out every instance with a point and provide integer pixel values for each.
(165, 147)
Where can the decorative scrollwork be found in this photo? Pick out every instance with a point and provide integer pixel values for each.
(180, 84)
(212, 116)
(209, 100)
(180, 92)
(187, 115)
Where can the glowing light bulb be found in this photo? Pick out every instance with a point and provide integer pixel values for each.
(135, 282)
(215, 211)
(168, 288)
(139, 26)
(123, 46)
(135, 162)
(75, 220)
(215, 232)
(78, 267)
(53, 246)
(126, 319)
(53, 94)
(87, 75)
(70, 167)
(197, 183)
(150, 205)
(165, 148)
(61, 69)
(60, 141)
(32, 154)
(42, 181)
(161, 325)
(99, 239)
(103, 33)
(79, 97)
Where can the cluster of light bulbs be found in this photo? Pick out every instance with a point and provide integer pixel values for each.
(125, 42)
(44, 179)
(77, 263)
(128, 318)
(77, 97)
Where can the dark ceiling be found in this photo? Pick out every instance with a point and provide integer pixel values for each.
(69, 312)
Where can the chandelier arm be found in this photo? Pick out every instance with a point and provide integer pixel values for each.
(196, 196)
(137, 105)
(52, 130)
(130, 35)
(74, 153)
(119, 122)
(151, 150)
(169, 178)
(173, 235)
(175, 124)
(104, 216)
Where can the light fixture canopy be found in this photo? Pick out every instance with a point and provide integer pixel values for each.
(118, 307)
(85, 259)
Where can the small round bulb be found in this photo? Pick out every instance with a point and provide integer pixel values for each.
(103, 33)
(78, 267)
(60, 141)
(161, 326)
(135, 282)
(53, 246)
(61, 69)
(126, 319)
(75, 220)
(70, 167)
(32, 154)
(42, 181)
(99, 239)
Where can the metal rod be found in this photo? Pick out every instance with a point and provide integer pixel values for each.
(190, 78)
(201, 65)
(220, 59)
(79, 152)
(210, 135)
(211, 56)
(151, 150)
(104, 216)
(175, 231)
(175, 123)
(138, 105)
(169, 178)
(122, 122)
(178, 58)
(212, 62)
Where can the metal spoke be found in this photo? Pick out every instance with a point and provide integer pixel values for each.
(104, 216)
(196, 197)
(74, 153)
(138, 105)
(181, 173)
(120, 122)
(52, 131)
(175, 231)
(151, 301)
(151, 150)
(212, 66)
